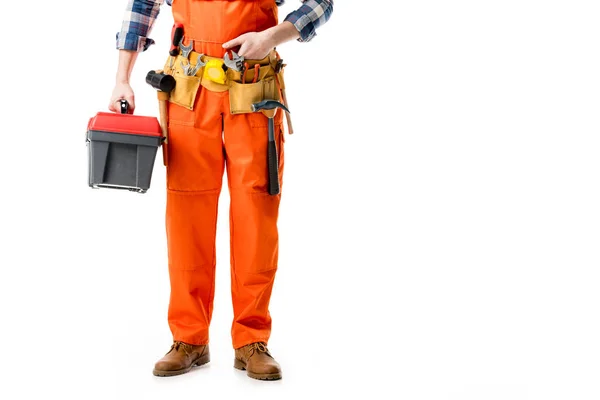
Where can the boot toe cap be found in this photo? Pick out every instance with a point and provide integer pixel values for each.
(270, 368)
(168, 365)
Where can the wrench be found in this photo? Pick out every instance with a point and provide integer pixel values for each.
(186, 50)
(236, 64)
(199, 64)
(191, 71)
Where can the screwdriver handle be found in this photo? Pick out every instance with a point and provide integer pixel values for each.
(176, 36)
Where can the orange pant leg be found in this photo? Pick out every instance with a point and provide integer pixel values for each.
(194, 177)
(253, 224)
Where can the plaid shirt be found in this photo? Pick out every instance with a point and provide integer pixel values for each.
(141, 14)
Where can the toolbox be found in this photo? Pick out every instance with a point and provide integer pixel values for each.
(122, 149)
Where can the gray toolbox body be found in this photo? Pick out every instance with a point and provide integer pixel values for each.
(122, 150)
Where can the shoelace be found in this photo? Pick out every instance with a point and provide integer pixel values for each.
(259, 347)
(187, 348)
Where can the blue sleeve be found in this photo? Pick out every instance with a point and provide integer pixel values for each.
(137, 24)
(310, 16)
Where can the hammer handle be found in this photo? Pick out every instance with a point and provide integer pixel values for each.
(272, 161)
(163, 97)
(288, 118)
(162, 111)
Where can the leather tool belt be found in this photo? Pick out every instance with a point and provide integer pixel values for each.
(189, 77)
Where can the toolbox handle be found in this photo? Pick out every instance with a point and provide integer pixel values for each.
(124, 106)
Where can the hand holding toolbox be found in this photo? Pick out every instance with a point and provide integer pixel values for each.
(122, 149)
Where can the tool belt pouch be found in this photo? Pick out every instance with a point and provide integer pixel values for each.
(242, 96)
(186, 87)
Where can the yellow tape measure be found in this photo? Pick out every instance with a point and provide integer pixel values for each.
(213, 70)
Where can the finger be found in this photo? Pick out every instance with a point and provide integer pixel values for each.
(131, 101)
(235, 42)
(114, 106)
(244, 50)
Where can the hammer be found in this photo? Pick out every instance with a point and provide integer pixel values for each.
(164, 84)
(269, 108)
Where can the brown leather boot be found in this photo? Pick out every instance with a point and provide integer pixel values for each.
(257, 361)
(181, 358)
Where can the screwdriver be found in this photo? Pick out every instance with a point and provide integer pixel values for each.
(176, 36)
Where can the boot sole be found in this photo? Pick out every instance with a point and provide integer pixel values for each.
(205, 359)
(239, 364)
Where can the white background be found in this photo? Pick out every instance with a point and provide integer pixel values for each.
(439, 222)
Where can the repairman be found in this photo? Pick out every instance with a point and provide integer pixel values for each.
(225, 111)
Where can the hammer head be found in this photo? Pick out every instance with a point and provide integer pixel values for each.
(268, 105)
(160, 81)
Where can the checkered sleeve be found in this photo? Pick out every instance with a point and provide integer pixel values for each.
(137, 24)
(311, 15)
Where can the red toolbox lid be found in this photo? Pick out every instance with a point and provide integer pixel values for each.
(125, 123)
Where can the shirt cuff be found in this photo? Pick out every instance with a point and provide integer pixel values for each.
(133, 42)
(304, 24)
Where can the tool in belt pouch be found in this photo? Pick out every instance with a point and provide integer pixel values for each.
(267, 85)
(185, 68)
(164, 84)
(264, 86)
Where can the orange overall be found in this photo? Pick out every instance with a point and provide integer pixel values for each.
(202, 142)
